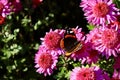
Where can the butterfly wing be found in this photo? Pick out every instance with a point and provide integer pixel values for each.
(75, 48)
(71, 44)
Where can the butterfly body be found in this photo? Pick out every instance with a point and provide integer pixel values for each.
(69, 43)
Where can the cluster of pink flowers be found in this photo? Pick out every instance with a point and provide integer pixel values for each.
(105, 37)
(103, 40)
(8, 6)
(47, 56)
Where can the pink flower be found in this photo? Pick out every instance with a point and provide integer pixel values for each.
(114, 79)
(99, 12)
(80, 54)
(93, 55)
(6, 7)
(116, 24)
(45, 61)
(117, 62)
(2, 20)
(52, 40)
(17, 6)
(36, 3)
(116, 75)
(79, 34)
(87, 54)
(92, 73)
(106, 41)
(93, 36)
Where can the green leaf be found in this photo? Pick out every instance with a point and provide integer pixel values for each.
(68, 75)
(25, 69)
(90, 27)
(11, 51)
(117, 2)
(36, 26)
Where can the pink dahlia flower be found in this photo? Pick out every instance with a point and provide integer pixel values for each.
(107, 41)
(92, 73)
(52, 40)
(45, 61)
(99, 12)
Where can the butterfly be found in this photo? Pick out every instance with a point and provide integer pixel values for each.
(69, 43)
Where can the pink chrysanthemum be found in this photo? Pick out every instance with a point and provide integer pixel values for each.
(6, 7)
(45, 61)
(93, 37)
(93, 55)
(99, 11)
(106, 41)
(52, 40)
(117, 62)
(116, 24)
(92, 73)
(116, 75)
(17, 6)
(114, 79)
